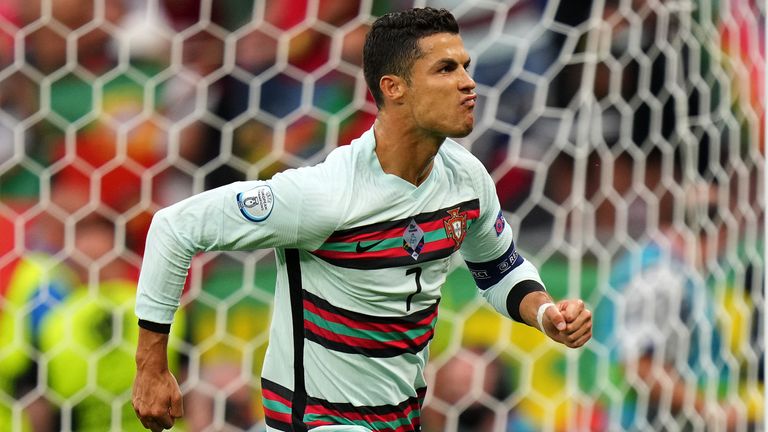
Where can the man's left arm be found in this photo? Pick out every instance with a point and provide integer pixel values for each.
(512, 284)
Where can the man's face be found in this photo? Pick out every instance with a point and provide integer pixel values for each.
(441, 93)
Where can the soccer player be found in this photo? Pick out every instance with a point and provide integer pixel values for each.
(363, 244)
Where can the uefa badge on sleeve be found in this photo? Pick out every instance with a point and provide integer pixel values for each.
(256, 204)
(499, 224)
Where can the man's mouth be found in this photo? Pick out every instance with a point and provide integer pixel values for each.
(469, 101)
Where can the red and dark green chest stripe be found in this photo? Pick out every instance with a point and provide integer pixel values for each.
(347, 331)
(381, 245)
(278, 405)
(402, 417)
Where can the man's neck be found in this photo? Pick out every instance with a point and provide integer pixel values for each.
(403, 151)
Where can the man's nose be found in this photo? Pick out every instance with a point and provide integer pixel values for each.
(467, 83)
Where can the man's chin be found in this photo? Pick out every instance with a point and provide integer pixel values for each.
(461, 133)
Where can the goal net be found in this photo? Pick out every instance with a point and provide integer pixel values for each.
(626, 139)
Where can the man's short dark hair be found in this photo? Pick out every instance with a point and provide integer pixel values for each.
(392, 44)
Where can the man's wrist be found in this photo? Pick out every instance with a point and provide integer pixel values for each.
(152, 351)
(155, 327)
(540, 314)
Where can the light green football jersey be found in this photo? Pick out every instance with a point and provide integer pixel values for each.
(361, 257)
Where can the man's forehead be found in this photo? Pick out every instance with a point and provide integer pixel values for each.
(441, 45)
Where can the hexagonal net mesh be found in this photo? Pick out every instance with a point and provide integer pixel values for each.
(626, 138)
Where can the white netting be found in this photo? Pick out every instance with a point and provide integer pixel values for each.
(607, 124)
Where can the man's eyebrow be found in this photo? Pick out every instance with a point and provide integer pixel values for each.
(451, 62)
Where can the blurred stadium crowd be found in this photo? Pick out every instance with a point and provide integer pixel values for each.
(112, 109)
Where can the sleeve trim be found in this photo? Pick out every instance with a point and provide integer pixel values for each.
(155, 327)
(516, 295)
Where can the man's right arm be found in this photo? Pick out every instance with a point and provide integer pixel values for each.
(156, 394)
(240, 216)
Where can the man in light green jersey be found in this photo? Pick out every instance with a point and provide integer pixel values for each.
(363, 243)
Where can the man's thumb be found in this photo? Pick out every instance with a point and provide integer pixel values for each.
(557, 318)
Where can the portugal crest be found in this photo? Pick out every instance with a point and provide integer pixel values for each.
(456, 226)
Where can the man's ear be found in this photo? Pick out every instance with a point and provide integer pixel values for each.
(392, 87)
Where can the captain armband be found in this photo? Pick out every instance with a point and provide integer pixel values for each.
(488, 274)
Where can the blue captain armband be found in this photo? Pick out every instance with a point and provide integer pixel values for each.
(489, 273)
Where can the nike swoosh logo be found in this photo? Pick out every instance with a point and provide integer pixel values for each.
(359, 248)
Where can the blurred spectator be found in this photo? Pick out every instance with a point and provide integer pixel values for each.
(672, 318)
(9, 100)
(277, 89)
(742, 35)
(630, 97)
(9, 13)
(466, 393)
(72, 320)
(88, 344)
(33, 287)
(660, 320)
(30, 287)
(109, 121)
